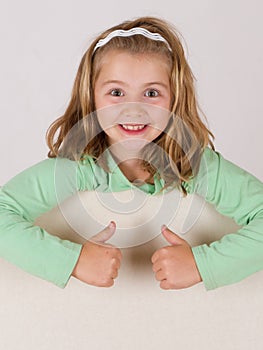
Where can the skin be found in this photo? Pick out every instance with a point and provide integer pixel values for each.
(136, 86)
(99, 262)
(132, 78)
(174, 265)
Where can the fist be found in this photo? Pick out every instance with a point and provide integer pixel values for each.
(174, 265)
(99, 262)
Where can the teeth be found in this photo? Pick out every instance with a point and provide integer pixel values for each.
(132, 127)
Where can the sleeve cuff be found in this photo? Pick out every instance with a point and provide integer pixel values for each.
(200, 259)
(66, 266)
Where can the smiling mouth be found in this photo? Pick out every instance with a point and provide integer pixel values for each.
(133, 127)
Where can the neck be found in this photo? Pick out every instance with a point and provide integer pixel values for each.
(130, 163)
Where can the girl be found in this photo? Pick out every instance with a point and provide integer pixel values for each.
(133, 104)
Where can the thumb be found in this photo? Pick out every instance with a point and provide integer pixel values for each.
(171, 237)
(105, 234)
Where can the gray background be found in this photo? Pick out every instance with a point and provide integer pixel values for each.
(41, 46)
(42, 43)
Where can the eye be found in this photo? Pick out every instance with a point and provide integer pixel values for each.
(151, 93)
(116, 92)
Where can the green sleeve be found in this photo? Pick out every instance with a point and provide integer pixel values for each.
(25, 197)
(237, 194)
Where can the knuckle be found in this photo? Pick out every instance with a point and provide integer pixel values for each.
(110, 283)
(165, 286)
(154, 268)
(164, 251)
(114, 251)
(115, 274)
(107, 282)
(118, 253)
(158, 278)
(115, 263)
(164, 265)
(172, 283)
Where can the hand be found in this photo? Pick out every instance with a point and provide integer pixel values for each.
(99, 262)
(174, 265)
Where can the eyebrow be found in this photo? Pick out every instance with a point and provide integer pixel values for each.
(157, 83)
(146, 84)
(114, 82)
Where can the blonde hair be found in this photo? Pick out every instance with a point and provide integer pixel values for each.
(178, 150)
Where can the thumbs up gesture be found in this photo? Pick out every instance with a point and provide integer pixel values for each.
(174, 265)
(99, 262)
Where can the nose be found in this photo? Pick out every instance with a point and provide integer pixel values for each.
(133, 110)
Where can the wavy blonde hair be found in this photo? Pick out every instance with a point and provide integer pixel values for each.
(176, 157)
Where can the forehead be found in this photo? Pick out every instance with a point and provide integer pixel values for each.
(119, 64)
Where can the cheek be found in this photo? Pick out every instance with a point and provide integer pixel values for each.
(98, 101)
(160, 117)
(106, 117)
(154, 132)
(108, 131)
(99, 97)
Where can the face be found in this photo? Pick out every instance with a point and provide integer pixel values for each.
(133, 97)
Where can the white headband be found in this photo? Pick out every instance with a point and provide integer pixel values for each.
(131, 32)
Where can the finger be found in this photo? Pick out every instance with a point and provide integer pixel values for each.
(160, 275)
(116, 264)
(171, 237)
(106, 283)
(109, 283)
(118, 254)
(155, 257)
(160, 253)
(165, 285)
(114, 252)
(105, 234)
(157, 266)
(114, 273)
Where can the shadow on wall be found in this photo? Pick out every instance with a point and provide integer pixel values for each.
(138, 224)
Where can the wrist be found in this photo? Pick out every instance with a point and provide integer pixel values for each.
(75, 270)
